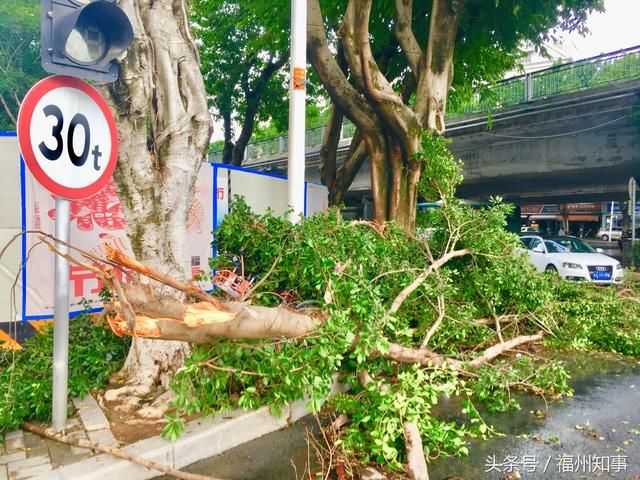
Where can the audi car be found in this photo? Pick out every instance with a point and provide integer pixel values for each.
(572, 259)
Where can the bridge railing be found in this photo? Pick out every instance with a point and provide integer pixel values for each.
(606, 69)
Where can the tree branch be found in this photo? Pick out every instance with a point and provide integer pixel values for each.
(120, 258)
(436, 324)
(497, 350)
(415, 453)
(362, 10)
(7, 110)
(435, 78)
(405, 36)
(419, 280)
(116, 452)
(325, 65)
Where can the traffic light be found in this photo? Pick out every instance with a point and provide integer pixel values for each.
(82, 38)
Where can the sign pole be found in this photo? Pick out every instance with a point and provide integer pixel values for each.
(55, 112)
(61, 323)
(632, 209)
(611, 221)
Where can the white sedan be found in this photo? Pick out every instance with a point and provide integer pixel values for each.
(572, 259)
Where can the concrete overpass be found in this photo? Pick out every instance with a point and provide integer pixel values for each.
(570, 133)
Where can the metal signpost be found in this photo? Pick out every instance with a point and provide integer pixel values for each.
(69, 142)
(632, 207)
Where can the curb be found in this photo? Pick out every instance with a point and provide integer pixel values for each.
(202, 438)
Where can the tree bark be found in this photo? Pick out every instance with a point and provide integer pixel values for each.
(164, 127)
(253, 96)
(415, 454)
(390, 127)
(329, 152)
(227, 150)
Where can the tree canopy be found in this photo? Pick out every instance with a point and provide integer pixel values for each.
(390, 66)
(19, 56)
(244, 48)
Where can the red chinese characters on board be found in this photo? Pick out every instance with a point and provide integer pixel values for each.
(102, 209)
(85, 282)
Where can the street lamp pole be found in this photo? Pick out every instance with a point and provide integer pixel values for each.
(297, 93)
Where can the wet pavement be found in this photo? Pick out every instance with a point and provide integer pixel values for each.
(594, 434)
(281, 455)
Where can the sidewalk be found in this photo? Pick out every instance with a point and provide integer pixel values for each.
(25, 455)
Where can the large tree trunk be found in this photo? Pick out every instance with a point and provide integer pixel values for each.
(390, 127)
(164, 128)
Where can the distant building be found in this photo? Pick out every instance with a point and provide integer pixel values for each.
(534, 60)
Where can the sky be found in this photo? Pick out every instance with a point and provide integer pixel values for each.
(616, 28)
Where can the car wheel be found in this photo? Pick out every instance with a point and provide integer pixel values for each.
(605, 238)
(551, 269)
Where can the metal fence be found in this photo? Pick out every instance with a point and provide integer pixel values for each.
(594, 72)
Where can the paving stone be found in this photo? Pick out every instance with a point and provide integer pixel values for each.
(3, 473)
(35, 445)
(91, 414)
(106, 467)
(73, 422)
(31, 472)
(103, 437)
(12, 457)
(14, 445)
(28, 467)
(14, 434)
(78, 435)
(61, 454)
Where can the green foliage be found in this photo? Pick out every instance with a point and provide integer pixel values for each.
(591, 318)
(19, 55)
(26, 375)
(442, 173)
(348, 274)
(302, 258)
(494, 384)
(377, 412)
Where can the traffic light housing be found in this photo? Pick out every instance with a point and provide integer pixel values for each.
(83, 38)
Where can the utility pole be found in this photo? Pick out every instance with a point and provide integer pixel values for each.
(297, 94)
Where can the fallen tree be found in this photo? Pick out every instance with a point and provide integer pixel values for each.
(407, 322)
(353, 298)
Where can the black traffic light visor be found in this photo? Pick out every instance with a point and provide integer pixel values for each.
(101, 30)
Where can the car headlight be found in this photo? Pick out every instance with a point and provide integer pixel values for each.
(619, 266)
(571, 265)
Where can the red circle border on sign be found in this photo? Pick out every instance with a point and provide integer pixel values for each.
(24, 138)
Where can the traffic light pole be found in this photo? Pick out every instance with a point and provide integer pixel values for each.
(61, 320)
(297, 93)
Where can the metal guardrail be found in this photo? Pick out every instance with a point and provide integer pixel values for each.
(605, 69)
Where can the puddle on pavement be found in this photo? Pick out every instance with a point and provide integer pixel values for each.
(595, 434)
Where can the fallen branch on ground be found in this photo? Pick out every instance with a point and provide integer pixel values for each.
(116, 452)
(424, 356)
(419, 280)
(497, 350)
(415, 454)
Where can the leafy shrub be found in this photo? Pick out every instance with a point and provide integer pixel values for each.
(26, 375)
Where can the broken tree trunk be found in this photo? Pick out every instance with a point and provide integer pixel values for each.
(138, 310)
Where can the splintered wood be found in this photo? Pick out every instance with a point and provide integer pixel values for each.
(195, 315)
(151, 310)
(139, 310)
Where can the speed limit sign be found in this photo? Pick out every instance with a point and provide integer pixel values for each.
(67, 137)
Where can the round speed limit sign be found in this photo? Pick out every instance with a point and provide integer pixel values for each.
(67, 137)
